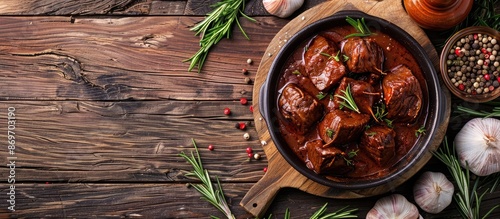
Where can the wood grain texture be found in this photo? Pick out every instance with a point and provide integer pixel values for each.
(123, 58)
(173, 200)
(69, 7)
(129, 141)
(128, 7)
(104, 105)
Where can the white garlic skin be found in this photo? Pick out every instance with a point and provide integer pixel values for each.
(282, 8)
(478, 144)
(394, 206)
(433, 192)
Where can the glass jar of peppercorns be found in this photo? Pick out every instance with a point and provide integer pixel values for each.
(470, 64)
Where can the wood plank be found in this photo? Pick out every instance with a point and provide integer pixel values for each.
(128, 7)
(78, 141)
(93, 200)
(47, 58)
(69, 7)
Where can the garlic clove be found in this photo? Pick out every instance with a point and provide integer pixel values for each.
(394, 206)
(433, 192)
(282, 8)
(478, 144)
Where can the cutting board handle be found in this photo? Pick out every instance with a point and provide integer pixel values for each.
(261, 195)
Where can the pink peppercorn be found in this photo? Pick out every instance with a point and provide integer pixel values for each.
(243, 101)
(227, 111)
(243, 126)
(210, 147)
(487, 77)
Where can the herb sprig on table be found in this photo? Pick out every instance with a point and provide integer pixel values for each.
(212, 195)
(482, 14)
(468, 197)
(215, 196)
(215, 26)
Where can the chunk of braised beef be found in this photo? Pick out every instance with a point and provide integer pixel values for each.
(340, 127)
(321, 66)
(379, 142)
(364, 55)
(363, 93)
(402, 94)
(299, 107)
(326, 160)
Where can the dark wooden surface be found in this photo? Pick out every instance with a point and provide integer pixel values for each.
(104, 105)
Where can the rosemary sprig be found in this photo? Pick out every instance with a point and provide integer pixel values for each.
(329, 133)
(467, 199)
(420, 131)
(348, 99)
(341, 213)
(380, 112)
(217, 199)
(215, 26)
(482, 14)
(320, 213)
(360, 26)
(213, 196)
(321, 95)
(495, 112)
(337, 57)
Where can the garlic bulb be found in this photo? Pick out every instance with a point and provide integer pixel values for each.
(433, 192)
(394, 206)
(282, 8)
(478, 144)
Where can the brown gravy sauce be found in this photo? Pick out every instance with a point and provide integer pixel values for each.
(395, 54)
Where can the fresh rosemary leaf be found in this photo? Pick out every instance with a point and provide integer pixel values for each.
(217, 25)
(329, 133)
(213, 196)
(327, 55)
(495, 112)
(348, 102)
(352, 153)
(296, 72)
(360, 26)
(341, 213)
(388, 122)
(467, 198)
(380, 112)
(321, 95)
(217, 199)
(420, 131)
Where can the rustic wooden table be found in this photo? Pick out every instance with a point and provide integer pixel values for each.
(104, 104)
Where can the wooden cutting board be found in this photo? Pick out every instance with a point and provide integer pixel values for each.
(280, 174)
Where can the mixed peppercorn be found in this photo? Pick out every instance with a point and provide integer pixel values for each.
(474, 64)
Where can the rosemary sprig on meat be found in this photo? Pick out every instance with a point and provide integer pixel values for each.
(360, 26)
(348, 100)
(215, 26)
